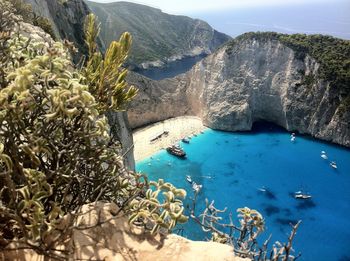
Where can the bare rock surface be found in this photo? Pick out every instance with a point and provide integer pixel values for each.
(113, 239)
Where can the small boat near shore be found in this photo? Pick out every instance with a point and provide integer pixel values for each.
(185, 140)
(176, 151)
(189, 179)
(292, 137)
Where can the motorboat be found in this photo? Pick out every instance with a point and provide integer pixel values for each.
(185, 140)
(176, 150)
(324, 156)
(196, 187)
(292, 137)
(333, 165)
(262, 189)
(301, 195)
(189, 179)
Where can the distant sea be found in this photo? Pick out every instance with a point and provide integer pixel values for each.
(234, 167)
(321, 17)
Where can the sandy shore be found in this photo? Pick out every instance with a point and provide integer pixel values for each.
(178, 128)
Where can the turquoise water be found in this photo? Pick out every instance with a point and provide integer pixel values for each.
(233, 166)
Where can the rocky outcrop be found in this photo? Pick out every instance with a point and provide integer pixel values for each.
(158, 38)
(157, 100)
(249, 80)
(121, 131)
(67, 18)
(110, 237)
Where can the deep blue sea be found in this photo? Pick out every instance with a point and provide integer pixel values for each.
(172, 68)
(233, 166)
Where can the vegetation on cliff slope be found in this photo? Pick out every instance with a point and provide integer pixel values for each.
(157, 35)
(26, 12)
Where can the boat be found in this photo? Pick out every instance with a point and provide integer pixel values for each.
(185, 140)
(196, 187)
(292, 137)
(176, 150)
(333, 165)
(324, 156)
(300, 195)
(263, 189)
(189, 179)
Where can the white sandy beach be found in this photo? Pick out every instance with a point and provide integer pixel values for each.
(178, 128)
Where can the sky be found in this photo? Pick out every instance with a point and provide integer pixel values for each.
(234, 17)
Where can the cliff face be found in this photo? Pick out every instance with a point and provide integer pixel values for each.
(264, 80)
(261, 79)
(67, 20)
(157, 100)
(157, 37)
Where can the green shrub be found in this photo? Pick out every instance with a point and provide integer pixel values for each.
(55, 150)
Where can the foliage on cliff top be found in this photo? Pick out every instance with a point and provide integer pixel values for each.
(333, 54)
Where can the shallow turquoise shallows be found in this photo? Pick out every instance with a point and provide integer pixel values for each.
(262, 170)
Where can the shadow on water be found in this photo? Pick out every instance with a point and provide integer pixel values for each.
(286, 221)
(271, 210)
(287, 212)
(344, 258)
(234, 183)
(267, 194)
(305, 204)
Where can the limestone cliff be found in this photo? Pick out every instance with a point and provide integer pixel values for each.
(255, 78)
(67, 18)
(157, 100)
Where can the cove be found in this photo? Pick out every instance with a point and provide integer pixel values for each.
(232, 167)
(171, 69)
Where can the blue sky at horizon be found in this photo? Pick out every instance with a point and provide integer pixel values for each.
(235, 17)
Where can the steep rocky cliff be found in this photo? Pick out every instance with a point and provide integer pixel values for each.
(158, 37)
(257, 77)
(67, 19)
(157, 100)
